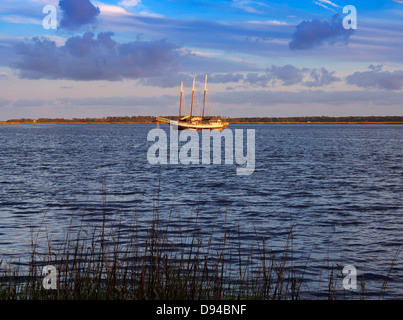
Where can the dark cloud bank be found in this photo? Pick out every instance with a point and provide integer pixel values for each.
(156, 63)
(312, 33)
(77, 13)
(90, 56)
(376, 78)
(93, 57)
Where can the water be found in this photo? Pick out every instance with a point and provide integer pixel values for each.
(340, 186)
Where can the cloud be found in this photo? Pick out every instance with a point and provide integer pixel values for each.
(376, 78)
(267, 23)
(321, 77)
(121, 101)
(331, 98)
(167, 80)
(21, 20)
(28, 103)
(291, 75)
(3, 76)
(313, 33)
(95, 58)
(375, 68)
(225, 78)
(94, 101)
(250, 6)
(4, 102)
(129, 3)
(330, 3)
(174, 80)
(260, 98)
(286, 75)
(323, 6)
(68, 107)
(77, 13)
(325, 3)
(7, 50)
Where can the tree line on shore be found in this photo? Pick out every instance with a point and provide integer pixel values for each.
(152, 119)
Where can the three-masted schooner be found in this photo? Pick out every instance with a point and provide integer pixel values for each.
(191, 122)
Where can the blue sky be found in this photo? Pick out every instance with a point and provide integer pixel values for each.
(263, 58)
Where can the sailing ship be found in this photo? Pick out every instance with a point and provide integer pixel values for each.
(191, 122)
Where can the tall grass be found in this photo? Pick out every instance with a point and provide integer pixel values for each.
(165, 259)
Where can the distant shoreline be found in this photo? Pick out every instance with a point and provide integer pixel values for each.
(263, 123)
(237, 120)
(316, 122)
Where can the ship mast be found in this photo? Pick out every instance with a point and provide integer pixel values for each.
(204, 99)
(180, 101)
(191, 105)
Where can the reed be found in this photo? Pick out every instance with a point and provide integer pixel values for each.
(169, 258)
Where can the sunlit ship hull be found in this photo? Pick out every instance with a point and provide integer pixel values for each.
(204, 126)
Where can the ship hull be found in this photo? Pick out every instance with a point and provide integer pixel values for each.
(204, 126)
